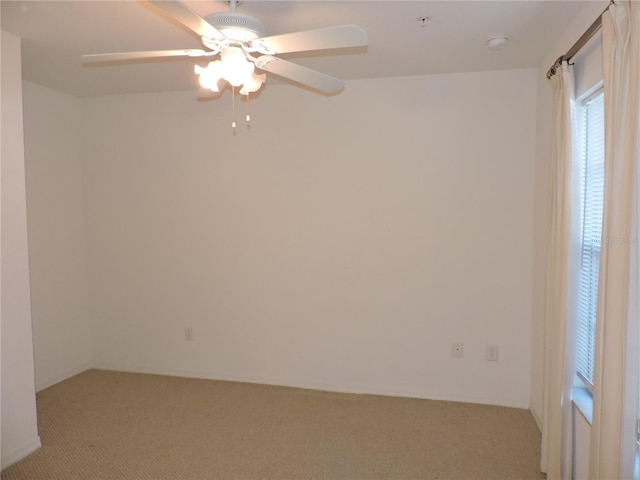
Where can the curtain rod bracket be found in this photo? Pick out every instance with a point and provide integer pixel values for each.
(554, 68)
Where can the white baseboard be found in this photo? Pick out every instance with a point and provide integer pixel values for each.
(537, 419)
(18, 453)
(356, 389)
(42, 384)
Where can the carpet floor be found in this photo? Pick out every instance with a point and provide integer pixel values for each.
(107, 425)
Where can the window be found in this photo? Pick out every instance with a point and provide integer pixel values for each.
(591, 137)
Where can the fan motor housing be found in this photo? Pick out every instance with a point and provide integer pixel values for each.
(237, 26)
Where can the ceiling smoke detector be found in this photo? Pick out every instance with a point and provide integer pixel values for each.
(497, 42)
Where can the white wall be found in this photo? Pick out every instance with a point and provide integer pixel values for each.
(57, 240)
(19, 425)
(342, 242)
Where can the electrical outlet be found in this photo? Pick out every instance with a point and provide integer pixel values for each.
(188, 334)
(457, 350)
(492, 353)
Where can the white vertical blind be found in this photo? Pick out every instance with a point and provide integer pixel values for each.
(591, 194)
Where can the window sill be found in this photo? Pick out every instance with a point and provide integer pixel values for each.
(583, 400)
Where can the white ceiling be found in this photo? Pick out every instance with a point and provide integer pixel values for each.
(56, 33)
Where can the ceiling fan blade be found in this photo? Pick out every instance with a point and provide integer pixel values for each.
(188, 18)
(297, 73)
(319, 39)
(117, 57)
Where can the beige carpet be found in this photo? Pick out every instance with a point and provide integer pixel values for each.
(110, 425)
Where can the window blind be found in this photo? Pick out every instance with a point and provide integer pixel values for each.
(591, 194)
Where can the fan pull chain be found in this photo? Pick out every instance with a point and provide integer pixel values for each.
(233, 107)
(248, 115)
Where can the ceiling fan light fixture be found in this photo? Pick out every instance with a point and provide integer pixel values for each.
(210, 75)
(236, 69)
(254, 84)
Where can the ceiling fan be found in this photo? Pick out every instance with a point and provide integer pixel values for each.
(237, 38)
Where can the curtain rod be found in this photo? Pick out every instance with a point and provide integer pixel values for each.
(582, 41)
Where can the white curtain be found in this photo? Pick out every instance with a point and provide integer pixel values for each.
(561, 272)
(615, 402)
